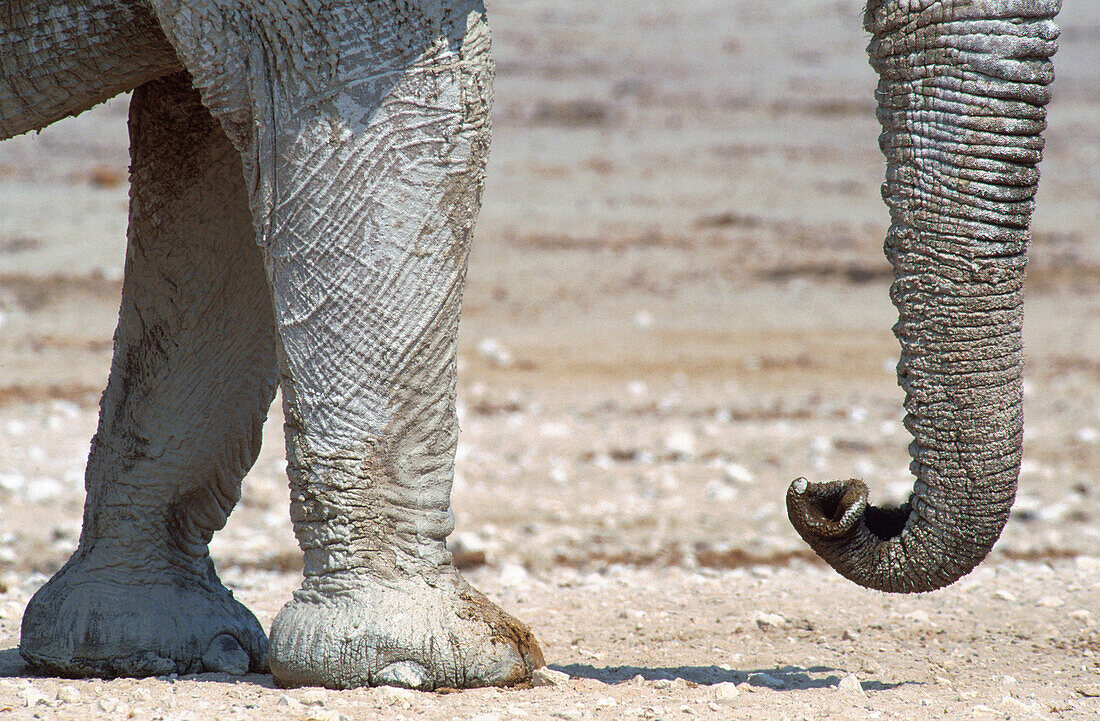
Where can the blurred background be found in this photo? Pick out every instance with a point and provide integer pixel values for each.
(677, 300)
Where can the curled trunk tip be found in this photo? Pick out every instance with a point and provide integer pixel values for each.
(962, 85)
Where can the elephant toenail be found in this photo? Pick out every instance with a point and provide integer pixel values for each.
(225, 654)
(406, 674)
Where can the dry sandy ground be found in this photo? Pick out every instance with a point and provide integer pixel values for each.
(676, 304)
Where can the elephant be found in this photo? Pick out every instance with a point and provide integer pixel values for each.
(305, 177)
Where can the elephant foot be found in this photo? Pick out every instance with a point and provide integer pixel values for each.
(420, 632)
(98, 620)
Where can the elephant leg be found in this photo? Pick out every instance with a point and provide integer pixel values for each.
(367, 268)
(193, 375)
(364, 129)
(61, 58)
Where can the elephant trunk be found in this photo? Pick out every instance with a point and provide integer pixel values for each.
(962, 85)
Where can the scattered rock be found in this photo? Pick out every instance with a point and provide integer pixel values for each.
(1089, 691)
(850, 685)
(850, 635)
(486, 717)
(720, 492)
(1082, 616)
(1017, 706)
(68, 694)
(769, 621)
(1050, 602)
(1087, 564)
(495, 352)
(605, 702)
(108, 704)
(726, 692)
(736, 473)
(392, 694)
(920, 617)
(548, 677)
(288, 702)
(324, 714)
(313, 697)
(569, 714)
(512, 574)
(680, 443)
(33, 697)
(1003, 595)
(43, 489)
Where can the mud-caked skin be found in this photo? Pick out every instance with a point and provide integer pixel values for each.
(304, 184)
(461, 638)
(299, 216)
(140, 595)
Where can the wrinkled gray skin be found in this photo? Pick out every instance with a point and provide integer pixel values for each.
(305, 179)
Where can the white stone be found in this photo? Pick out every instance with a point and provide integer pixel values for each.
(554, 430)
(33, 697)
(719, 492)
(548, 677)
(324, 714)
(920, 617)
(108, 704)
(643, 319)
(680, 442)
(1081, 616)
(767, 620)
(568, 714)
(737, 473)
(1017, 706)
(495, 352)
(68, 694)
(512, 574)
(1004, 596)
(850, 685)
(43, 489)
(726, 692)
(1087, 564)
(1087, 434)
(313, 697)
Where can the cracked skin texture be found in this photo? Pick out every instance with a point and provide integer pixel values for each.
(263, 248)
(353, 139)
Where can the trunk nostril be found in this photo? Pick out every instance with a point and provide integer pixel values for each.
(826, 510)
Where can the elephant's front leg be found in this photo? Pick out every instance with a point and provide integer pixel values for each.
(192, 378)
(366, 247)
